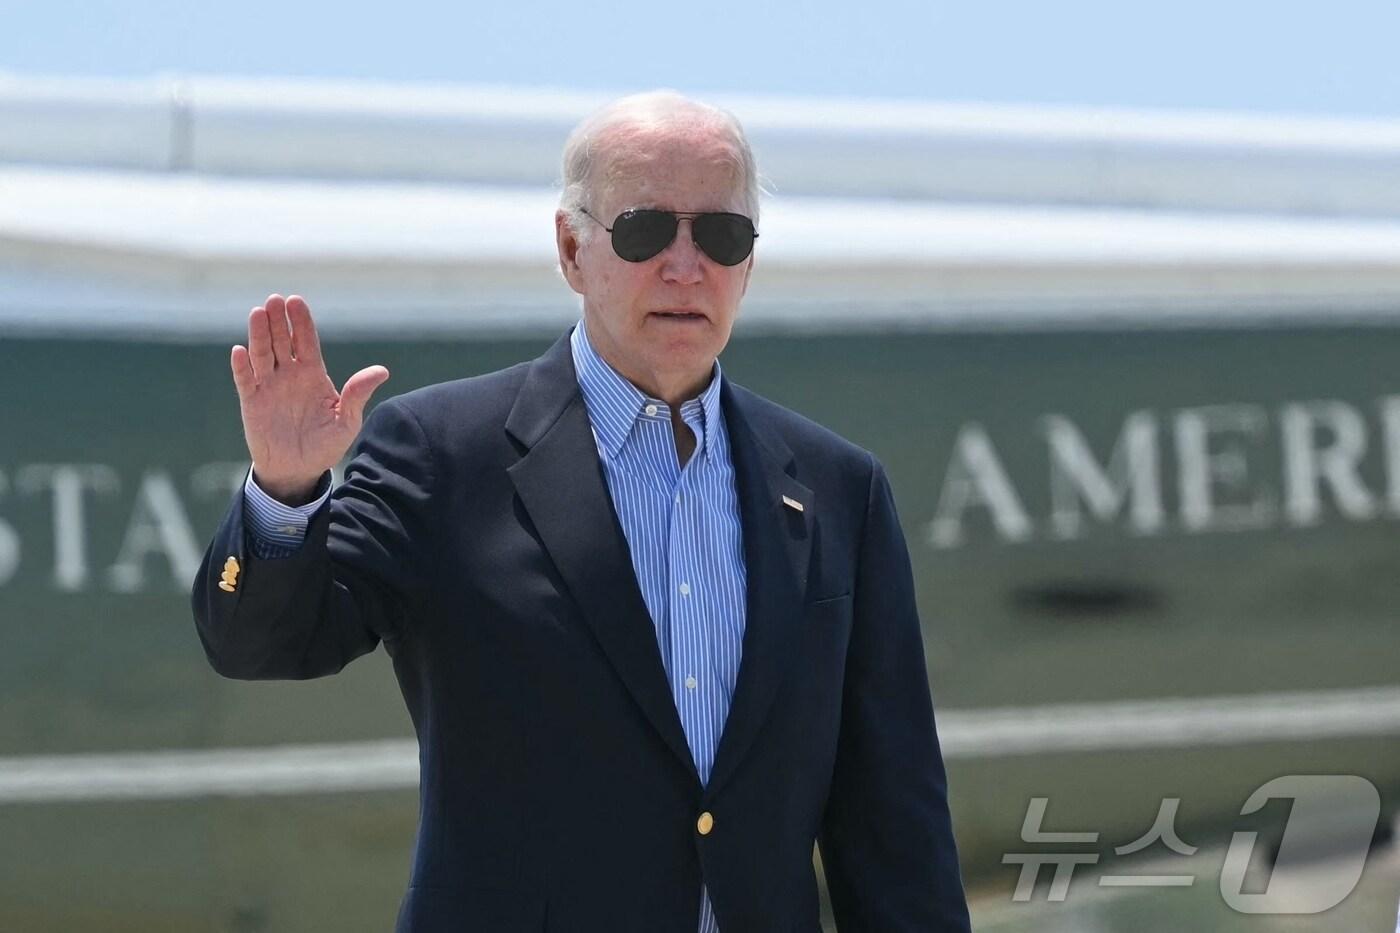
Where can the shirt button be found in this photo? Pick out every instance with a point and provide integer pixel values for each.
(685, 589)
(690, 683)
(678, 498)
(651, 409)
(705, 823)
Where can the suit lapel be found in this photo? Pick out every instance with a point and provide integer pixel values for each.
(561, 485)
(777, 553)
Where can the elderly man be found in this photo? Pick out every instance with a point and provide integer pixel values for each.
(657, 635)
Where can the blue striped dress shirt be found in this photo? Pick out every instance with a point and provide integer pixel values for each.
(682, 527)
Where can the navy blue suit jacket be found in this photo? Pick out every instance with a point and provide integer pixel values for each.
(475, 537)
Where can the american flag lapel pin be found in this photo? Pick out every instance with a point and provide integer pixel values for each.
(792, 503)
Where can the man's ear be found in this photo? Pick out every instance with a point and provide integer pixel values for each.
(567, 242)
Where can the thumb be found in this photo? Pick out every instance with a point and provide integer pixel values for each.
(359, 387)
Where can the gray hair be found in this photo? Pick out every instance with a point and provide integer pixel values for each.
(635, 116)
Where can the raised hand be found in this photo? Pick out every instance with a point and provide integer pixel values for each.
(296, 424)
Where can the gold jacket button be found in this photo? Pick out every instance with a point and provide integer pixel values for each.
(705, 823)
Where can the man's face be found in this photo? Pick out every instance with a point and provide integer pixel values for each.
(625, 302)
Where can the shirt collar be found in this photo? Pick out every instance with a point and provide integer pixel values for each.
(615, 405)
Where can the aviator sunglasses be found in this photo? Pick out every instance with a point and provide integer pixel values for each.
(638, 235)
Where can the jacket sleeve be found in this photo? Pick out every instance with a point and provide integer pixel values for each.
(887, 837)
(360, 575)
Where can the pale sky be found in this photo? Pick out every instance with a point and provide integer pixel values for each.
(1268, 57)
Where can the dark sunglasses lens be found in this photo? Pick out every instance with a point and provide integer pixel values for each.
(725, 238)
(639, 235)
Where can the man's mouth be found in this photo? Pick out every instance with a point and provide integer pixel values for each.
(680, 315)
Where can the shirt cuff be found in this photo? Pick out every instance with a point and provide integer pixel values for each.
(274, 528)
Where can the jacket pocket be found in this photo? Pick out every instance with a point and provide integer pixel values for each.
(831, 613)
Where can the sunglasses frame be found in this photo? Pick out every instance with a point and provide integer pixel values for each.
(678, 216)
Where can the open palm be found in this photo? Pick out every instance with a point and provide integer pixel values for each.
(295, 422)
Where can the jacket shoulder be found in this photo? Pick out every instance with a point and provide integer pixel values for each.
(808, 440)
(474, 401)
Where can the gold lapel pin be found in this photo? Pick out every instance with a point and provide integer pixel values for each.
(792, 503)
(228, 580)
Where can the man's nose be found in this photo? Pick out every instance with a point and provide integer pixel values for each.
(681, 261)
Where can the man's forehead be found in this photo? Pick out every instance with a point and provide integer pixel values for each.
(663, 161)
(627, 197)
(671, 184)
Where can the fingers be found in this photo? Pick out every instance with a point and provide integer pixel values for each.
(281, 331)
(243, 378)
(359, 387)
(260, 343)
(306, 345)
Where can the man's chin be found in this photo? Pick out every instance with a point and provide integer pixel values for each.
(684, 361)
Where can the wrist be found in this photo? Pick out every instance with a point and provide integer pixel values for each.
(292, 492)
